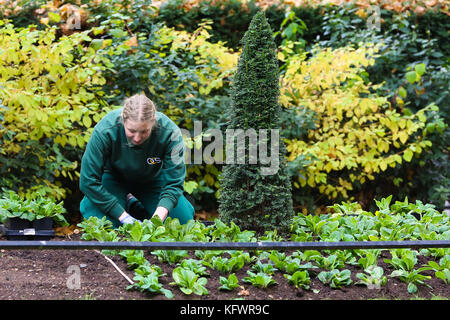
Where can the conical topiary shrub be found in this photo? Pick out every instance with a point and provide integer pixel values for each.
(255, 189)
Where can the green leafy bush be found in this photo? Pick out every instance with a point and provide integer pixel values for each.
(51, 96)
(409, 41)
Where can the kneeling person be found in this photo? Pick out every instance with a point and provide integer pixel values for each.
(134, 150)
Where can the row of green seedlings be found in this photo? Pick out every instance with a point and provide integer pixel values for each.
(189, 274)
(399, 221)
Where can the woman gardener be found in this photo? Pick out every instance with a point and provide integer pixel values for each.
(134, 158)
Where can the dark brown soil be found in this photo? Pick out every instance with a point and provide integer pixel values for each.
(49, 274)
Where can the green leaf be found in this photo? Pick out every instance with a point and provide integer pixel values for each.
(167, 293)
(402, 92)
(434, 265)
(408, 155)
(117, 33)
(186, 290)
(177, 276)
(443, 275)
(54, 17)
(411, 76)
(412, 288)
(136, 232)
(97, 44)
(420, 68)
(190, 186)
(87, 121)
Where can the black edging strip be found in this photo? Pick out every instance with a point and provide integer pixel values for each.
(261, 245)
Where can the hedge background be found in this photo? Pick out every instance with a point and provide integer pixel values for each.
(386, 62)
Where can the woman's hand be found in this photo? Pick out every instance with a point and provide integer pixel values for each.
(161, 212)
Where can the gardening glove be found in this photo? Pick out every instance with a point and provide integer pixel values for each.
(126, 218)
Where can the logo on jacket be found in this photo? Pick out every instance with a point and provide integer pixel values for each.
(152, 161)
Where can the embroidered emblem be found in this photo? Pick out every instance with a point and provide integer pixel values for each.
(152, 161)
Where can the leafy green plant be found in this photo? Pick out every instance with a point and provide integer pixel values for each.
(291, 31)
(312, 223)
(170, 256)
(95, 228)
(369, 258)
(413, 278)
(278, 258)
(331, 262)
(195, 266)
(267, 268)
(191, 231)
(147, 279)
(383, 204)
(242, 255)
(147, 230)
(207, 255)
(189, 282)
(404, 261)
(226, 265)
(12, 205)
(300, 234)
(308, 255)
(289, 264)
(134, 258)
(441, 269)
(346, 208)
(260, 279)
(300, 279)
(330, 231)
(229, 283)
(346, 256)
(335, 278)
(223, 232)
(299, 265)
(372, 277)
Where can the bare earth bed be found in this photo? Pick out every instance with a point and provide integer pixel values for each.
(49, 274)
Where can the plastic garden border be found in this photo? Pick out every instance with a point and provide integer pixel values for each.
(261, 245)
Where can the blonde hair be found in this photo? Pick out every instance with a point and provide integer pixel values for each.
(139, 108)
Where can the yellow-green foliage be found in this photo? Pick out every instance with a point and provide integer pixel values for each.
(358, 134)
(204, 53)
(51, 90)
(216, 64)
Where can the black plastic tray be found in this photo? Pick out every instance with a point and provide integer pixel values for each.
(29, 234)
(22, 229)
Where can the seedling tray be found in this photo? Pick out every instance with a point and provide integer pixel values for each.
(29, 234)
(22, 229)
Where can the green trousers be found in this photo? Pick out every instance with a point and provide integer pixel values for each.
(143, 207)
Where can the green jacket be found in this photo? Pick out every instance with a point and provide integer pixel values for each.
(159, 161)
